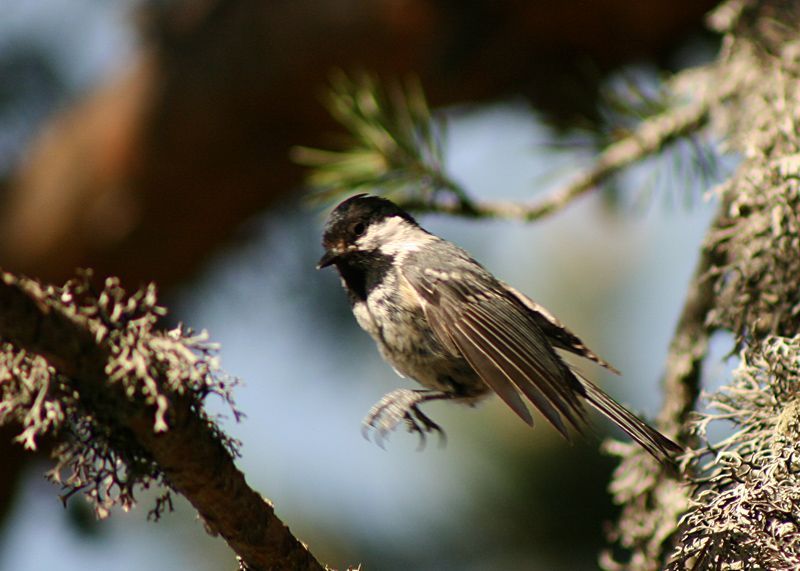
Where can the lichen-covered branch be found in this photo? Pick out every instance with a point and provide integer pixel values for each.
(745, 509)
(124, 401)
(739, 508)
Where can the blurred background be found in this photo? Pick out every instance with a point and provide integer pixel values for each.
(150, 139)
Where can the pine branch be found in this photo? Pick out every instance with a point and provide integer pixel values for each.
(395, 148)
(394, 144)
(648, 139)
(125, 402)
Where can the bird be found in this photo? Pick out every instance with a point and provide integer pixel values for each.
(440, 318)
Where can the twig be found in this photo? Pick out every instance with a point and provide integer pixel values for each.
(649, 138)
(194, 461)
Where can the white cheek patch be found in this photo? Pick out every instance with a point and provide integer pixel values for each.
(394, 235)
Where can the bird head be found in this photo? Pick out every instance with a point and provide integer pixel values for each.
(364, 223)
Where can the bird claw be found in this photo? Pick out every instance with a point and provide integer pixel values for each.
(396, 407)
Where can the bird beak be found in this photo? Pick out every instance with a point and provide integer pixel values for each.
(327, 259)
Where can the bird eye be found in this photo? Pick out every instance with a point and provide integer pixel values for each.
(358, 228)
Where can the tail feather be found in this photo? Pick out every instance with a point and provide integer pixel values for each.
(659, 446)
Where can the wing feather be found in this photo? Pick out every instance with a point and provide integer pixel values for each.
(503, 344)
(539, 375)
(482, 362)
(557, 333)
(511, 370)
(485, 364)
(509, 341)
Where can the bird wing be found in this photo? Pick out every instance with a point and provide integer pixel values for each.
(472, 316)
(556, 332)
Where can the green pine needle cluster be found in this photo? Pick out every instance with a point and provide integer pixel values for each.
(394, 144)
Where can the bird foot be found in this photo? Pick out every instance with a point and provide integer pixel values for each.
(399, 406)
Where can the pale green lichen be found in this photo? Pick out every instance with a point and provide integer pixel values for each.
(745, 511)
(94, 450)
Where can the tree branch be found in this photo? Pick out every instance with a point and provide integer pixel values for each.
(649, 138)
(187, 449)
(743, 486)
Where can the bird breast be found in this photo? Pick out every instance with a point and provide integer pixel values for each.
(394, 317)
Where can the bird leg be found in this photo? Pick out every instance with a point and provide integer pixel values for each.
(399, 406)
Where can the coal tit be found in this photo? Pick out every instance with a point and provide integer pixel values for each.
(443, 320)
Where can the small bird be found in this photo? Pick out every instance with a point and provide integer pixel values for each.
(440, 318)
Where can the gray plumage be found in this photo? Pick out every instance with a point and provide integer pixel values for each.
(440, 318)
